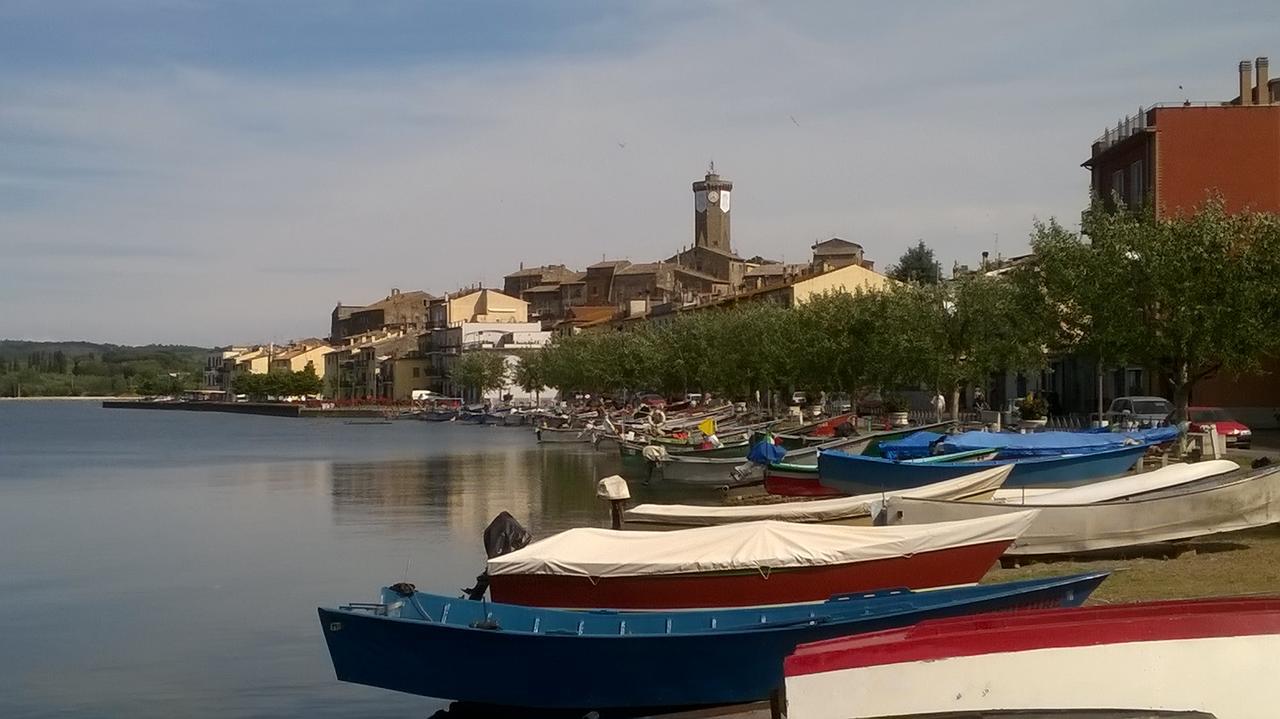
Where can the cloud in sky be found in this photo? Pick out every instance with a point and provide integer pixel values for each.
(225, 172)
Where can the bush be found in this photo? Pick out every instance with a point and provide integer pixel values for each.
(1032, 407)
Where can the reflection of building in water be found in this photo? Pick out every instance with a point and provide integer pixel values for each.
(462, 492)
(545, 489)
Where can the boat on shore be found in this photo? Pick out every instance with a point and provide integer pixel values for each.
(748, 564)
(804, 480)
(854, 511)
(858, 474)
(1211, 655)
(1082, 529)
(796, 475)
(445, 647)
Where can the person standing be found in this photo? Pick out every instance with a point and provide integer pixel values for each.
(939, 405)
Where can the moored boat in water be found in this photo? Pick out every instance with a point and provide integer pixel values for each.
(447, 648)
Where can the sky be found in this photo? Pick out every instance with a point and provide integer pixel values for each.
(188, 171)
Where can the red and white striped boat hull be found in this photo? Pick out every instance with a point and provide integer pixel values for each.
(952, 566)
(1215, 656)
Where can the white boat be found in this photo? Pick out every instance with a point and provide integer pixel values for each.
(1073, 529)
(1215, 656)
(859, 510)
(1133, 485)
(565, 435)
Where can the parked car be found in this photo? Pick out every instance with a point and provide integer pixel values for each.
(799, 399)
(1202, 418)
(1142, 411)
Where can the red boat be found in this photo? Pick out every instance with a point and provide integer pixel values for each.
(747, 564)
(1214, 655)
(796, 480)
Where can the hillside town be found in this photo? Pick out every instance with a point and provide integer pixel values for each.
(1169, 157)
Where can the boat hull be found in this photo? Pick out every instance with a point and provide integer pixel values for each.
(854, 474)
(1081, 529)
(795, 481)
(1214, 656)
(560, 669)
(549, 435)
(952, 566)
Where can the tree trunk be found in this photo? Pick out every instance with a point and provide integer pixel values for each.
(1181, 398)
(955, 402)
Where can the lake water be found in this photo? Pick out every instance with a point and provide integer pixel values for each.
(167, 564)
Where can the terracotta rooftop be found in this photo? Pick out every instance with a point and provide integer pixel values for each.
(605, 264)
(537, 271)
(835, 246)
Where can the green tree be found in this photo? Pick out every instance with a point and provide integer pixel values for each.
(1187, 297)
(481, 372)
(917, 264)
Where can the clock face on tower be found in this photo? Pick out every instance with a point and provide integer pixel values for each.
(713, 197)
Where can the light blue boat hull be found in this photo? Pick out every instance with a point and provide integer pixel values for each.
(508, 655)
(859, 474)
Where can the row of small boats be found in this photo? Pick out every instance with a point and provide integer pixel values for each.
(862, 604)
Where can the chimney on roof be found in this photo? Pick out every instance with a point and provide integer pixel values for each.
(1264, 82)
(1246, 82)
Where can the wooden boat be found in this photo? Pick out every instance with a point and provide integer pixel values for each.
(796, 474)
(857, 474)
(565, 435)
(855, 511)
(1213, 655)
(447, 648)
(747, 564)
(1075, 529)
(438, 415)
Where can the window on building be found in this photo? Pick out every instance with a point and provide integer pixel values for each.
(417, 372)
(1117, 185)
(1136, 185)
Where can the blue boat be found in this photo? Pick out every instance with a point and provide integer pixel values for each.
(1047, 444)
(860, 474)
(509, 655)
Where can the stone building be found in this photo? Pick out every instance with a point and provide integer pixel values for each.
(398, 310)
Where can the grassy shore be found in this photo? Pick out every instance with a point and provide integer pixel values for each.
(1237, 563)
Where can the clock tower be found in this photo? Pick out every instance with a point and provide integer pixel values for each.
(711, 211)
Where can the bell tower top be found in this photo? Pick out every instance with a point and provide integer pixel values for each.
(711, 204)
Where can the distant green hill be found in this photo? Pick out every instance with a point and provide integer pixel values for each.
(65, 369)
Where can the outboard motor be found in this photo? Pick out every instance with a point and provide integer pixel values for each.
(503, 535)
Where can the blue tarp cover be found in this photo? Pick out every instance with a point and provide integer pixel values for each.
(913, 446)
(1039, 444)
(766, 452)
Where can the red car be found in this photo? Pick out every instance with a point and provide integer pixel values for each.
(1237, 434)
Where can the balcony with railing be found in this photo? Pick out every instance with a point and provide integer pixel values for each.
(1140, 121)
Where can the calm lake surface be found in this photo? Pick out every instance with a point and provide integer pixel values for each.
(167, 564)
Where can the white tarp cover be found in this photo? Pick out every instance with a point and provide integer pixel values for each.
(1163, 478)
(1252, 501)
(822, 510)
(592, 552)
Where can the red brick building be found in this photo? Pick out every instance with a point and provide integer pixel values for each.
(1174, 156)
